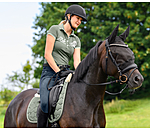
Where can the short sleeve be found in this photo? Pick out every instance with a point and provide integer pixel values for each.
(78, 43)
(53, 31)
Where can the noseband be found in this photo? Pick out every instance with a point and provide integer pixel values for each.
(123, 78)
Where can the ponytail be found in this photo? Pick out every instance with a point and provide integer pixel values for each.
(63, 22)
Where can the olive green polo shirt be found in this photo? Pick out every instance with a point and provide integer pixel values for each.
(64, 46)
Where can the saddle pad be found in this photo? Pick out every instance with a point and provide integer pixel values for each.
(33, 105)
(32, 110)
(60, 104)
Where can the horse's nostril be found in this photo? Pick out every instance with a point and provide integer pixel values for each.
(137, 78)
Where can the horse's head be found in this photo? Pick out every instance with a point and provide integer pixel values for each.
(118, 60)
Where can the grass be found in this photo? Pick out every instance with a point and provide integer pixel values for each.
(121, 106)
(1, 121)
(2, 115)
(130, 114)
(119, 114)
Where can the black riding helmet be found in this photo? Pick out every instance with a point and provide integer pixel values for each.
(75, 10)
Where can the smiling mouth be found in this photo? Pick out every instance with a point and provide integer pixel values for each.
(77, 24)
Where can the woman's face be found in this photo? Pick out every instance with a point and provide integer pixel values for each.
(76, 21)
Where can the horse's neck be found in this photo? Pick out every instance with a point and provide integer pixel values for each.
(91, 95)
(95, 75)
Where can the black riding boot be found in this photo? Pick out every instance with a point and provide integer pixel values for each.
(42, 118)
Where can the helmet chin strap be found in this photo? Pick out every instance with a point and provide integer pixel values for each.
(69, 20)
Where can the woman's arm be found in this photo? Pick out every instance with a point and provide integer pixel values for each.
(76, 57)
(50, 40)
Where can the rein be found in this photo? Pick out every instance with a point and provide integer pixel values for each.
(122, 77)
(111, 82)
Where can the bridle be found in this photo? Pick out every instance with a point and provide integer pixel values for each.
(123, 78)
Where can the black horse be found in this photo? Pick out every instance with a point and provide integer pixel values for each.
(84, 99)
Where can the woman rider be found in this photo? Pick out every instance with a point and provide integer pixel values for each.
(61, 44)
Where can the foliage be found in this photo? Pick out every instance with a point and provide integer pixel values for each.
(6, 96)
(21, 79)
(102, 19)
(36, 84)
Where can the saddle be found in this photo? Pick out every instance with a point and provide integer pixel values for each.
(56, 101)
(54, 96)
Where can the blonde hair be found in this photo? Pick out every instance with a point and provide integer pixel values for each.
(64, 21)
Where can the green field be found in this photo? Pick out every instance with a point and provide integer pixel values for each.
(119, 114)
(2, 115)
(1, 121)
(136, 115)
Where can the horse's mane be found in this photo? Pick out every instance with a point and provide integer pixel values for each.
(86, 62)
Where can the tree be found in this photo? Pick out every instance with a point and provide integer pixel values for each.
(102, 19)
(7, 95)
(21, 79)
(26, 75)
(36, 83)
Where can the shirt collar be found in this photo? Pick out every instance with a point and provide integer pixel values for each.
(61, 27)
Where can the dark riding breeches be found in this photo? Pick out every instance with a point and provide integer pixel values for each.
(47, 73)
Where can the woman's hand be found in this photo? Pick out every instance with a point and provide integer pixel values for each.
(65, 73)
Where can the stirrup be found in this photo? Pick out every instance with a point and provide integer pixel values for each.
(55, 125)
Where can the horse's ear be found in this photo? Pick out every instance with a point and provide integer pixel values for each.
(113, 35)
(124, 35)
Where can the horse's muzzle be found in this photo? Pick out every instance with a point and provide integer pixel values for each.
(136, 80)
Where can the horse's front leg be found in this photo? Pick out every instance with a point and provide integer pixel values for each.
(99, 117)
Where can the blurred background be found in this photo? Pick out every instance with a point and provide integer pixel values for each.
(23, 29)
